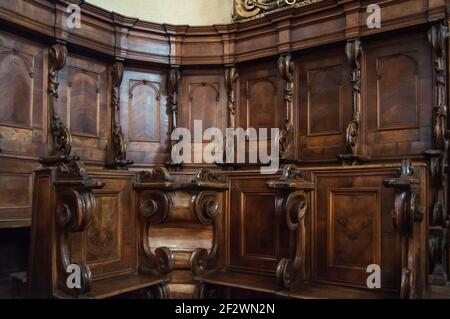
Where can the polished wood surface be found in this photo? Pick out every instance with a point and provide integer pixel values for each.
(362, 113)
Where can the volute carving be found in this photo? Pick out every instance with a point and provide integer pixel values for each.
(74, 210)
(173, 82)
(231, 76)
(154, 208)
(61, 145)
(407, 213)
(118, 156)
(286, 68)
(251, 9)
(439, 215)
(353, 50)
(292, 202)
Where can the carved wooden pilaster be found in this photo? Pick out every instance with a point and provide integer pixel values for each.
(286, 67)
(118, 151)
(61, 139)
(407, 214)
(231, 76)
(173, 83)
(353, 52)
(74, 209)
(292, 202)
(438, 156)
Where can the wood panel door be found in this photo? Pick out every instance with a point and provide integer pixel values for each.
(203, 98)
(325, 103)
(398, 96)
(144, 116)
(353, 228)
(261, 103)
(258, 236)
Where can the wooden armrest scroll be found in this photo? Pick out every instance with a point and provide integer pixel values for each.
(74, 209)
(292, 201)
(406, 214)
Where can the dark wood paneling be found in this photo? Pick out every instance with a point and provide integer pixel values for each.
(83, 105)
(144, 116)
(324, 98)
(353, 228)
(202, 98)
(108, 245)
(22, 124)
(398, 96)
(258, 239)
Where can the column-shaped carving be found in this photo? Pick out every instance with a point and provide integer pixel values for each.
(353, 50)
(173, 83)
(118, 147)
(61, 139)
(286, 67)
(292, 202)
(439, 217)
(74, 209)
(407, 214)
(231, 76)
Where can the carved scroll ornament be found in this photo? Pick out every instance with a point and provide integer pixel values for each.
(406, 214)
(74, 210)
(173, 82)
(118, 145)
(154, 208)
(61, 137)
(286, 68)
(292, 201)
(231, 76)
(439, 215)
(250, 9)
(207, 212)
(353, 51)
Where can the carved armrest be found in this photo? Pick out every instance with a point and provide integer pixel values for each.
(292, 200)
(158, 196)
(406, 214)
(154, 205)
(74, 209)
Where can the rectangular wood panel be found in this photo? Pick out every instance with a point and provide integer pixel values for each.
(325, 103)
(144, 116)
(398, 96)
(258, 238)
(352, 227)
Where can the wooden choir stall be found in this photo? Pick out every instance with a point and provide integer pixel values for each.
(86, 117)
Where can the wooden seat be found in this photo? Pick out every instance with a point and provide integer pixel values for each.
(117, 286)
(253, 282)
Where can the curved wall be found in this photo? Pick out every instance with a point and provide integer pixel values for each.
(192, 12)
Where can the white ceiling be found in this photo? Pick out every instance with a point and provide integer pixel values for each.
(192, 12)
